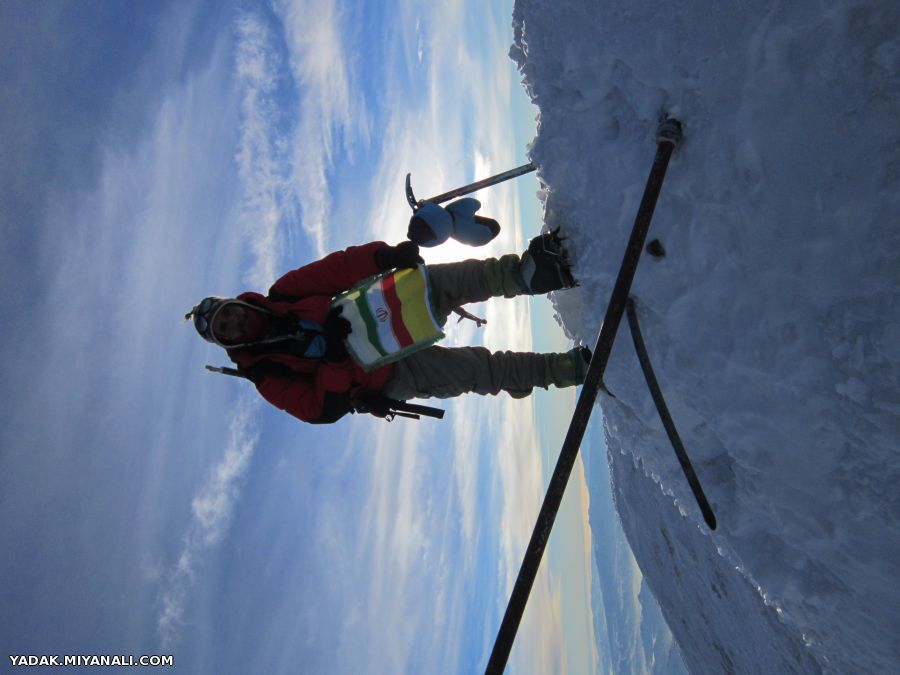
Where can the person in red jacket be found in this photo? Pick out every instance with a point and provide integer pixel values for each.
(290, 342)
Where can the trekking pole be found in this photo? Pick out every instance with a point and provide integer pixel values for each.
(378, 402)
(466, 189)
(668, 136)
(666, 418)
(416, 409)
(227, 371)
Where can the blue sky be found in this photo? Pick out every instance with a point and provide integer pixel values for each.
(158, 154)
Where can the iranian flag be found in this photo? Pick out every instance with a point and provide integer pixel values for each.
(391, 316)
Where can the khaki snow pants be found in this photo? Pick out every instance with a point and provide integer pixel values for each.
(442, 372)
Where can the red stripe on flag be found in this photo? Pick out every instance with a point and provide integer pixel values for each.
(390, 295)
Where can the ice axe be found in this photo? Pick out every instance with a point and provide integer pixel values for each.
(465, 189)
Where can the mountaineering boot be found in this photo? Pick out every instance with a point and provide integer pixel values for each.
(582, 357)
(545, 265)
(567, 369)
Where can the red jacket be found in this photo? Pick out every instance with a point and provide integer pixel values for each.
(321, 391)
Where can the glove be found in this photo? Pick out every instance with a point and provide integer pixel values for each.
(336, 329)
(403, 255)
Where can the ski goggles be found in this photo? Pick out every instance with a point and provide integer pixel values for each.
(203, 315)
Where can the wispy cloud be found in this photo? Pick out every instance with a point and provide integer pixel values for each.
(330, 112)
(262, 152)
(212, 508)
(402, 537)
(261, 161)
(106, 388)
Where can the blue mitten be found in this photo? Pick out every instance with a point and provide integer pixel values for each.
(432, 224)
(469, 228)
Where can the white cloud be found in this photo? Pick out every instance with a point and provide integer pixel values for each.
(261, 155)
(260, 159)
(122, 256)
(212, 508)
(330, 109)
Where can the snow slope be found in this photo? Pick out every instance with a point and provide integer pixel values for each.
(773, 322)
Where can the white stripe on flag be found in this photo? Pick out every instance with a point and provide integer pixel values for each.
(358, 340)
(382, 313)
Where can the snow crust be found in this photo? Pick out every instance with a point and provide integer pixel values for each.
(773, 322)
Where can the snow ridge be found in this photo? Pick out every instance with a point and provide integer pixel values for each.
(772, 322)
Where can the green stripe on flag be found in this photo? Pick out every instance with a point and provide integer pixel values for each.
(357, 342)
(362, 306)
